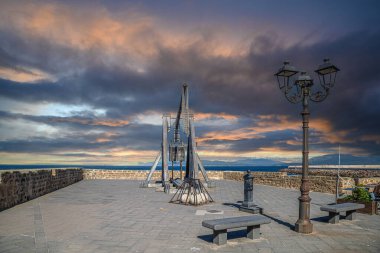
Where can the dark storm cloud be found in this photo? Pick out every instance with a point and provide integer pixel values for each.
(242, 85)
(80, 132)
(134, 137)
(268, 140)
(352, 102)
(85, 121)
(239, 84)
(16, 50)
(47, 145)
(98, 84)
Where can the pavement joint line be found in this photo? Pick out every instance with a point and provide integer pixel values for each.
(39, 232)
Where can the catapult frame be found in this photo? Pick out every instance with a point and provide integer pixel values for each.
(175, 150)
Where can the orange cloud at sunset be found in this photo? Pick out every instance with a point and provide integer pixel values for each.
(233, 135)
(273, 123)
(129, 39)
(202, 116)
(66, 25)
(113, 156)
(110, 123)
(106, 137)
(261, 152)
(266, 123)
(25, 75)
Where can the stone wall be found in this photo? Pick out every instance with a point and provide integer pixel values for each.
(371, 180)
(349, 182)
(138, 174)
(360, 173)
(281, 179)
(278, 179)
(18, 186)
(346, 182)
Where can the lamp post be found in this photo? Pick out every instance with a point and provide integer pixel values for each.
(300, 90)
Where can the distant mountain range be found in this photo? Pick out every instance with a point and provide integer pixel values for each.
(245, 162)
(319, 160)
(242, 162)
(345, 160)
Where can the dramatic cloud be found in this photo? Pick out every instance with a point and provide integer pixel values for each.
(88, 82)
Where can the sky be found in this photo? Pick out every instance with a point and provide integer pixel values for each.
(87, 82)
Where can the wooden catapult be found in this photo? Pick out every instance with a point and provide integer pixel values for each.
(190, 188)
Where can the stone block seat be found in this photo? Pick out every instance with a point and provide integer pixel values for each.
(335, 210)
(220, 226)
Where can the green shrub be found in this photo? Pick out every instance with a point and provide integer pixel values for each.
(348, 197)
(359, 194)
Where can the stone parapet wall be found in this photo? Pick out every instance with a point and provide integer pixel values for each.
(349, 182)
(119, 174)
(281, 179)
(19, 186)
(215, 175)
(371, 180)
(360, 173)
(346, 182)
(138, 174)
(238, 175)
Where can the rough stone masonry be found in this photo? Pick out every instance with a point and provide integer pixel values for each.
(17, 187)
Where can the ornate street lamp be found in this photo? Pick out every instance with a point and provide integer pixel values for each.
(296, 91)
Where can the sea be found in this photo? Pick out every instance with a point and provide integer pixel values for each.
(109, 167)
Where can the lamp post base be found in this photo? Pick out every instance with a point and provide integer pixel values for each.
(303, 226)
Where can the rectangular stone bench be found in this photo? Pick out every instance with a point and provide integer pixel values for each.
(335, 210)
(220, 226)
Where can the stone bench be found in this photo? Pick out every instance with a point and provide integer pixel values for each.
(220, 226)
(335, 210)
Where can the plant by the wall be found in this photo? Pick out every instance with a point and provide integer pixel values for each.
(359, 194)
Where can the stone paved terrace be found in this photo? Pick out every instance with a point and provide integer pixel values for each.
(118, 216)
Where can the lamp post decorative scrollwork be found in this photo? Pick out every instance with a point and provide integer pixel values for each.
(300, 90)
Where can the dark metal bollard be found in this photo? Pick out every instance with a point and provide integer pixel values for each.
(248, 190)
(248, 205)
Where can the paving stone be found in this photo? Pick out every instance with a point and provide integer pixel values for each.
(265, 250)
(118, 216)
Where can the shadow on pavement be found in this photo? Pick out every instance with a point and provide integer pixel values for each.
(230, 235)
(325, 219)
(284, 223)
(232, 204)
